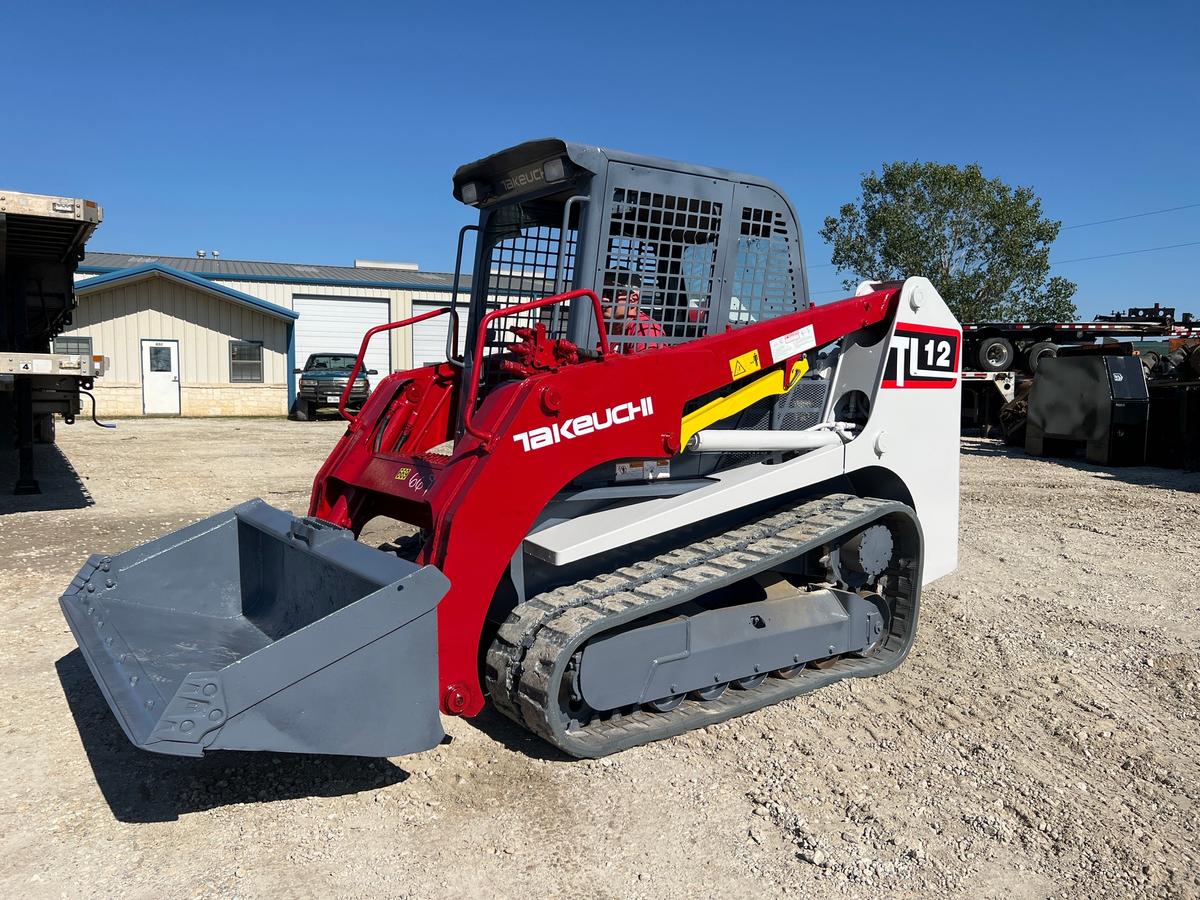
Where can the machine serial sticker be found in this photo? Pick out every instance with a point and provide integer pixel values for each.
(921, 356)
(644, 470)
(794, 343)
(745, 364)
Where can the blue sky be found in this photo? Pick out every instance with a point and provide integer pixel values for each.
(323, 132)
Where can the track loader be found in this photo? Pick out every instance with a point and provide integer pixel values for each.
(656, 488)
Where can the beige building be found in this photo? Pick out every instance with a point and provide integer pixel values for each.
(233, 331)
(181, 345)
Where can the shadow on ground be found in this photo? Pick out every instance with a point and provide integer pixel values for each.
(62, 488)
(504, 731)
(145, 787)
(1172, 479)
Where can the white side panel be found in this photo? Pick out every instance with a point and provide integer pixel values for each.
(337, 325)
(587, 535)
(914, 430)
(429, 337)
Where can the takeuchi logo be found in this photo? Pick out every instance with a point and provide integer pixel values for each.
(581, 426)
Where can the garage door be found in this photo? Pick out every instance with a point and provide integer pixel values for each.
(337, 325)
(429, 337)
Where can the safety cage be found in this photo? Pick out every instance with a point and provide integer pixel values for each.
(675, 251)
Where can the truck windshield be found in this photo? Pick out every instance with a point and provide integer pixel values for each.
(329, 361)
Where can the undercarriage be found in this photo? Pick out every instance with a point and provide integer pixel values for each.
(683, 640)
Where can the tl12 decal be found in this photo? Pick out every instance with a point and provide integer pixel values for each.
(921, 356)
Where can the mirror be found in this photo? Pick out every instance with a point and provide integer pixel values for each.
(298, 371)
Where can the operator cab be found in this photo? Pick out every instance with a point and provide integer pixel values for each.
(707, 249)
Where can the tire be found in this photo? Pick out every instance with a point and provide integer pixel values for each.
(43, 429)
(1039, 351)
(996, 354)
(304, 411)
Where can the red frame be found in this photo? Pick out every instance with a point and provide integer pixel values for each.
(481, 336)
(479, 503)
(362, 352)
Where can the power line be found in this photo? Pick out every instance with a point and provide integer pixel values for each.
(1059, 262)
(1153, 212)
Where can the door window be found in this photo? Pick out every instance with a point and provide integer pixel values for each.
(160, 359)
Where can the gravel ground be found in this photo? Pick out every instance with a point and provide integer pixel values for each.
(1040, 741)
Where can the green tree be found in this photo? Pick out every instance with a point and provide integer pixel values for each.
(984, 245)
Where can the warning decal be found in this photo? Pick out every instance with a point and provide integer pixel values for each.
(644, 470)
(793, 343)
(746, 364)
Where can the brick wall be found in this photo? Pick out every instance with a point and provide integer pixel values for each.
(195, 400)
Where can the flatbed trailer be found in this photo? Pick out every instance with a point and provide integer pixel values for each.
(42, 240)
(1017, 346)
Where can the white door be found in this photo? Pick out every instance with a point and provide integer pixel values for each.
(429, 337)
(160, 378)
(337, 325)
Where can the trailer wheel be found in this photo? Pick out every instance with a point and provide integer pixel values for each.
(1038, 352)
(43, 429)
(996, 354)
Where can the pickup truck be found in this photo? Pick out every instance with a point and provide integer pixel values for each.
(322, 381)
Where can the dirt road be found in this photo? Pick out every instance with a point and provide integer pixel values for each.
(1040, 741)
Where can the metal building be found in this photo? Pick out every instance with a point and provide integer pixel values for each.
(233, 331)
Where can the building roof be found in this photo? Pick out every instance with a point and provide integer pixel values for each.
(158, 270)
(291, 273)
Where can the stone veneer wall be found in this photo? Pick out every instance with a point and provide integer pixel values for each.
(195, 400)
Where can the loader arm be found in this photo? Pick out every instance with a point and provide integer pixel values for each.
(480, 501)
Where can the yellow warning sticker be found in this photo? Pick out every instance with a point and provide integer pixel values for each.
(403, 473)
(743, 365)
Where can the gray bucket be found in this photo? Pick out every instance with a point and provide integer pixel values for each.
(257, 630)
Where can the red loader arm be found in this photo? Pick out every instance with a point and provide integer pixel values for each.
(526, 441)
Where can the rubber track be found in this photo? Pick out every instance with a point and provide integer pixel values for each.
(529, 655)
